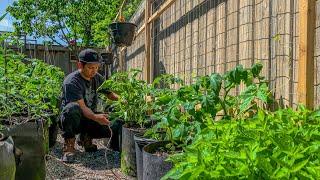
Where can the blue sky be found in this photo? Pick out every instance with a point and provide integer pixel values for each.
(6, 23)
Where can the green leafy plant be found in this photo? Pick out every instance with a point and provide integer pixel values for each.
(271, 145)
(194, 107)
(64, 22)
(29, 87)
(131, 106)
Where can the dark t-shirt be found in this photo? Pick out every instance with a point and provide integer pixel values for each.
(75, 87)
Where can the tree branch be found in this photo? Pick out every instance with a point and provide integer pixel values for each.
(63, 33)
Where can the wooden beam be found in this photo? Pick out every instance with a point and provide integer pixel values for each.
(148, 64)
(122, 60)
(140, 30)
(162, 8)
(306, 52)
(156, 15)
(147, 61)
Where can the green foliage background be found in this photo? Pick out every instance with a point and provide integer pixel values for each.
(83, 20)
(28, 87)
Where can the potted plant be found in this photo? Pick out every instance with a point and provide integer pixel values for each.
(122, 32)
(196, 106)
(131, 108)
(27, 101)
(160, 88)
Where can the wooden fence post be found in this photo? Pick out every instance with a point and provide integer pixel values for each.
(147, 61)
(307, 21)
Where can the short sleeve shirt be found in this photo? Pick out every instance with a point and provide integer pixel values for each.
(75, 87)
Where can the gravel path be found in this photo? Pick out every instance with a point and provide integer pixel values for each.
(103, 164)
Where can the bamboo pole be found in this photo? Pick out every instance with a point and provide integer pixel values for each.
(306, 52)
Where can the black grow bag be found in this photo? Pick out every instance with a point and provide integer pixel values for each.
(7, 159)
(53, 130)
(140, 142)
(128, 153)
(122, 33)
(154, 166)
(32, 138)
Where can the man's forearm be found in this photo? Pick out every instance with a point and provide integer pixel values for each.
(88, 113)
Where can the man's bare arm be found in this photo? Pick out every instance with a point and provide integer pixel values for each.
(87, 112)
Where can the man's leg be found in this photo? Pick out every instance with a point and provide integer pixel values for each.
(93, 130)
(70, 119)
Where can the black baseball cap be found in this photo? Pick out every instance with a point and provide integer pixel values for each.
(89, 56)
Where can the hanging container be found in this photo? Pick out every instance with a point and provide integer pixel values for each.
(122, 33)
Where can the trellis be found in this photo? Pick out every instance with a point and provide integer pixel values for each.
(186, 35)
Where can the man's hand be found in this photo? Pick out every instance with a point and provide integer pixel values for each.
(113, 96)
(102, 119)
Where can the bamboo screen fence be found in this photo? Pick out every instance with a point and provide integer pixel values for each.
(197, 37)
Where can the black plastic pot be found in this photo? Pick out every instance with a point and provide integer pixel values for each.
(122, 33)
(32, 138)
(128, 153)
(107, 58)
(140, 142)
(154, 166)
(53, 131)
(7, 159)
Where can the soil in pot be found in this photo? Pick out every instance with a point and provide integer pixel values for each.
(7, 159)
(154, 164)
(128, 153)
(140, 142)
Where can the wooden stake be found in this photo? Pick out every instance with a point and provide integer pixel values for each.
(306, 52)
(147, 62)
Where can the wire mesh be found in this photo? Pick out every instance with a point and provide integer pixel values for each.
(198, 37)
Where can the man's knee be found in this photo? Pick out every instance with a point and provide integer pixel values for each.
(72, 109)
(71, 113)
